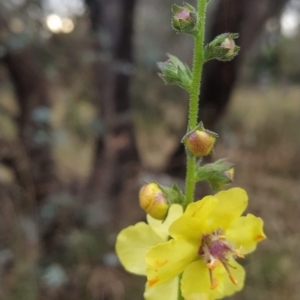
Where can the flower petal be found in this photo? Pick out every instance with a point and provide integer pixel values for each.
(231, 204)
(167, 260)
(167, 290)
(196, 285)
(245, 232)
(132, 245)
(192, 224)
(162, 227)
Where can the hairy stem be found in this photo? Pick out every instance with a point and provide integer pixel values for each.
(198, 62)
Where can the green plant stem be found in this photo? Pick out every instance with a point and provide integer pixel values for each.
(180, 297)
(198, 62)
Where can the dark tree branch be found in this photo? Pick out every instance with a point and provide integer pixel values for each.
(34, 121)
(116, 147)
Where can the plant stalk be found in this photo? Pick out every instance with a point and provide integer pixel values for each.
(198, 62)
(180, 297)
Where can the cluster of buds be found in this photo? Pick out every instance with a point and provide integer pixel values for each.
(222, 48)
(173, 71)
(200, 141)
(184, 19)
(154, 198)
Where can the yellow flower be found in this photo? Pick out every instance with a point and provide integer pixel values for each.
(206, 240)
(134, 242)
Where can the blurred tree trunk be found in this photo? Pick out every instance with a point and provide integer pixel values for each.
(247, 18)
(31, 157)
(112, 26)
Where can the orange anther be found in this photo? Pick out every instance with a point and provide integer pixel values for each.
(239, 254)
(233, 280)
(214, 283)
(221, 237)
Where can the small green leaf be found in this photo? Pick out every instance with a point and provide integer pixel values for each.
(173, 194)
(215, 173)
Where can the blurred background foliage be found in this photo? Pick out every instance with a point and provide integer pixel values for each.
(85, 120)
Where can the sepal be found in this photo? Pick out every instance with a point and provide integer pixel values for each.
(218, 174)
(173, 194)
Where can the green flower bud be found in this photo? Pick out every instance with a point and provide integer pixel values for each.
(153, 201)
(173, 71)
(218, 174)
(222, 48)
(184, 19)
(200, 142)
(227, 179)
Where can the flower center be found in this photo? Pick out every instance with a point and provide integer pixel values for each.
(214, 250)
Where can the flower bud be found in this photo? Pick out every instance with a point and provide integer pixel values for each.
(222, 48)
(227, 179)
(200, 142)
(173, 71)
(229, 174)
(218, 174)
(184, 19)
(154, 201)
(229, 44)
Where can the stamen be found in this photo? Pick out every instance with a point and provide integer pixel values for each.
(213, 281)
(213, 264)
(239, 254)
(214, 250)
(231, 266)
(233, 280)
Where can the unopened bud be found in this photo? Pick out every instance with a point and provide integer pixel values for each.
(173, 71)
(218, 174)
(222, 48)
(184, 15)
(228, 178)
(153, 201)
(200, 142)
(229, 44)
(184, 19)
(229, 174)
